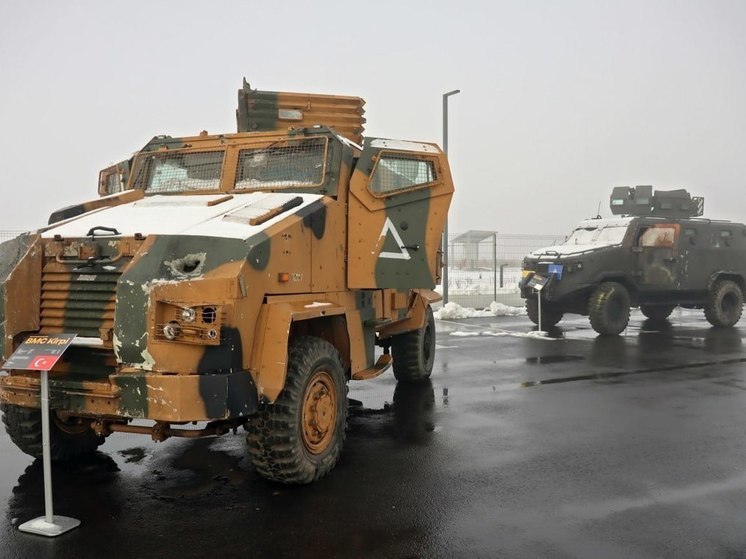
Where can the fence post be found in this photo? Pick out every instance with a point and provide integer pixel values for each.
(494, 265)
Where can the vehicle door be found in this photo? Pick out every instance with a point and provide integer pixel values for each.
(657, 248)
(399, 197)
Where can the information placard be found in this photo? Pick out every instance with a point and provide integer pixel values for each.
(39, 353)
(537, 282)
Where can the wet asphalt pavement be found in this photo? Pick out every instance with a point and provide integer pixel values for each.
(582, 446)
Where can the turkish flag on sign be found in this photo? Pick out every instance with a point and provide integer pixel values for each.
(43, 362)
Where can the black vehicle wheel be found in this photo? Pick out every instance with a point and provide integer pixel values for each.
(549, 315)
(68, 438)
(414, 352)
(608, 308)
(657, 312)
(724, 303)
(299, 438)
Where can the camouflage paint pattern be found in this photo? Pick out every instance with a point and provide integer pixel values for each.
(410, 220)
(191, 320)
(272, 110)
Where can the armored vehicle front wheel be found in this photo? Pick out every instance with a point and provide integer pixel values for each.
(68, 438)
(608, 308)
(657, 312)
(414, 352)
(549, 315)
(724, 303)
(299, 438)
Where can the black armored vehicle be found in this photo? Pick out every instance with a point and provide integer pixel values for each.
(656, 253)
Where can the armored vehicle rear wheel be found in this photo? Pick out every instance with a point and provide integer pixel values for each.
(724, 303)
(608, 308)
(549, 315)
(657, 312)
(414, 352)
(68, 438)
(299, 438)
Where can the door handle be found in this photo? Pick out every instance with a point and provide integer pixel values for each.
(670, 260)
(411, 247)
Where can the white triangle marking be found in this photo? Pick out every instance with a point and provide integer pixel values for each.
(388, 227)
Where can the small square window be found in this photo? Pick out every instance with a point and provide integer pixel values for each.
(399, 172)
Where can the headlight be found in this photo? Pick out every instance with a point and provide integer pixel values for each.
(198, 324)
(188, 314)
(171, 330)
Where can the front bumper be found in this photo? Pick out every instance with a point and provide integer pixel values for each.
(160, 397)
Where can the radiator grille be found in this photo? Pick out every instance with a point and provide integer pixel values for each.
(80, 303)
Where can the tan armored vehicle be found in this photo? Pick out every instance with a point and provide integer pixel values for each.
(234, 279)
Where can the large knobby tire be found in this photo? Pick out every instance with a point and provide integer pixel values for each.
(549, 315)
(608, 308)
(68, 439)
(657, 312)
(299, 438)
(413, 352)
(724, 303)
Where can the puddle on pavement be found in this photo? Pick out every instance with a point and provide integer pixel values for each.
(209, 468)
(133, 455)
(551, 359)
(407, 415)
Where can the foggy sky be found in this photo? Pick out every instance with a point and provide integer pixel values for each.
(560, 101)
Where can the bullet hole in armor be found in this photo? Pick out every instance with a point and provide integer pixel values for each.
(191, 264)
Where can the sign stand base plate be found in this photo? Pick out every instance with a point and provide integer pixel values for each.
(40, 526)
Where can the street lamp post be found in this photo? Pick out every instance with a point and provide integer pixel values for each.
(444, 240)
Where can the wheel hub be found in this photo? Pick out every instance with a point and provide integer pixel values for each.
(319, 413)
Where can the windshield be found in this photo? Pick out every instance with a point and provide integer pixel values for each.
(289, 163)
(180, 172)
(597, 235)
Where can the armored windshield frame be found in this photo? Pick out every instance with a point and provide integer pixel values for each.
(333, 151)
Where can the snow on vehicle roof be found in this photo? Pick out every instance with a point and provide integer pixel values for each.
(606, 222)
(590, 234)
(214, 215)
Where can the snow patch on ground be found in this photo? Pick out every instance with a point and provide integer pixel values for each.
(537, 335)
(451, 311)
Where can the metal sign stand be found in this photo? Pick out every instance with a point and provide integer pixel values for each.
(40, 353)
(49, 524)
(538, 283)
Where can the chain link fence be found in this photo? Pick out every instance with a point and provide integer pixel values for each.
(8, 235)
(485, 266)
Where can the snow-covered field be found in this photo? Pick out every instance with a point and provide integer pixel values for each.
(479, 288)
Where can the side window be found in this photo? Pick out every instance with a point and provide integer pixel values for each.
(690, 233)
(722, 238)
(396, 172)
(658, 236)
(113, 179)
(109, 182)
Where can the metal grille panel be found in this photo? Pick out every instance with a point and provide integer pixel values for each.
(71, 304)
(181, 172)
(284, 164)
